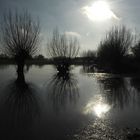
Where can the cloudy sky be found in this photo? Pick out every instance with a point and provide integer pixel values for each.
(81, 18)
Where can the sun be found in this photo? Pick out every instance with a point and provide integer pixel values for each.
(99, 11)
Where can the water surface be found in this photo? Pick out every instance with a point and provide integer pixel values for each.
(77, 105)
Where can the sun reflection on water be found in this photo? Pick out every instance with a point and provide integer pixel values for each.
(101, 109)
(97, 106)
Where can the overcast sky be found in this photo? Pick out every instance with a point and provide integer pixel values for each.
(69, 16)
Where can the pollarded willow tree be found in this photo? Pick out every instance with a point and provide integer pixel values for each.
(62, 46)
(20, 36)
(115, 46)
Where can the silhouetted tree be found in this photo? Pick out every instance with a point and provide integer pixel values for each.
(60, 45)
(62, 49)
(115, 46)
(20, 35)
(136, 50)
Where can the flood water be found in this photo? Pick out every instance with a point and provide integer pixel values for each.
(78, 105)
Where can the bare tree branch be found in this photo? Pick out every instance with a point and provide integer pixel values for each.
(116, 45)
(20, 34)
(60, 45)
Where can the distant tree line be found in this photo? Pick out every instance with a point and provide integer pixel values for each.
(88, 56)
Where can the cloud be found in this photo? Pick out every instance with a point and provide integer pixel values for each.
(73, 34)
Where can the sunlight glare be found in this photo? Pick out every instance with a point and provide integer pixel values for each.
(97, 107)
(101, 109)
(99, 11)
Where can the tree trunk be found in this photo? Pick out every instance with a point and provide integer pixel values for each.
(20, 72)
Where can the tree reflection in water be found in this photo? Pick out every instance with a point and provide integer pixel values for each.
(87, 69)
(135, 83)
(19, 109)
(63, 89)
(120, 91)
(115, 89)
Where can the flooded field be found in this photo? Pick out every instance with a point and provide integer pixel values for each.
(78, 105)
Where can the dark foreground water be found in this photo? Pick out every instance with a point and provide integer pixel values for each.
(78, 105)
